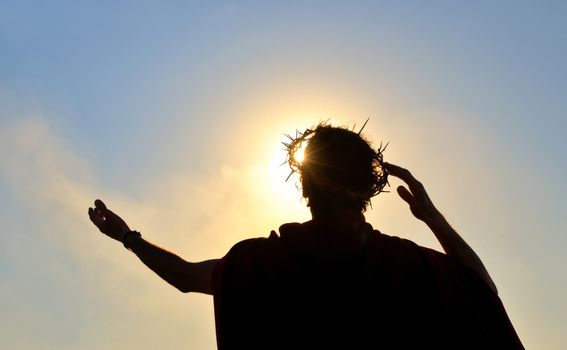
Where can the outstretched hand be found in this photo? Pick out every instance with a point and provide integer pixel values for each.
(107, 221)
(419, 202)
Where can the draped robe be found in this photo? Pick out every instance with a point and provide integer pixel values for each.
(306, 290)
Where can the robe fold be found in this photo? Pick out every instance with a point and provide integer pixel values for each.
(305, 290)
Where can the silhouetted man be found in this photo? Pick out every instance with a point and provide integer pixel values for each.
(334, 281)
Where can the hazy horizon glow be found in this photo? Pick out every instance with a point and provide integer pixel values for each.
(174, 115)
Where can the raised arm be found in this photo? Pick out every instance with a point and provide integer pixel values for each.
(183, 275)
(422, 208)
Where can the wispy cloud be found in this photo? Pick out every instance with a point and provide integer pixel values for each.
(106, 286)
(64, 284)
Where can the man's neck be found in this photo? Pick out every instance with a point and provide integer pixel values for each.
(338, 219)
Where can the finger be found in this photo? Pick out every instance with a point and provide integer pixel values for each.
(100, 204)
(95, 219)
(98, 213)
(414, 185)
(101, 207)
(93, 214)
(399, 172)
(407, 196)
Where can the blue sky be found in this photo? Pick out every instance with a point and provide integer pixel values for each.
(174, 113)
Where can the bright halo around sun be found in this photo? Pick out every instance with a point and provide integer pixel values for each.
(299, 155)
(279, 187)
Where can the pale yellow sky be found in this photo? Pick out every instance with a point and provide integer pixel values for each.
(174, 115)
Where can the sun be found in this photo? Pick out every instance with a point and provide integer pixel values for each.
(299, 155)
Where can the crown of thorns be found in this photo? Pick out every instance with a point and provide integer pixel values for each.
(379, 173)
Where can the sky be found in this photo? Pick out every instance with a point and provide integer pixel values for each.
(173, 113)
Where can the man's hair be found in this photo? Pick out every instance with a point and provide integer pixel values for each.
(339, 168)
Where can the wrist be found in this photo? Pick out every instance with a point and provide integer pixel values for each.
(437, 221)
(129, 237)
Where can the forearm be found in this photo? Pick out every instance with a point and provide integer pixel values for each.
(455, 246)
(169, 266)
(422, 208)
(183, 275)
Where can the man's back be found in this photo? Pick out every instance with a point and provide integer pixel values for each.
(306, 290)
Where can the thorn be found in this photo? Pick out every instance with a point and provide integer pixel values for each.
(287, 178)
(363, 125)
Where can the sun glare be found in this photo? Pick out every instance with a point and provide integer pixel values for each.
(299, 155)
(278, 187)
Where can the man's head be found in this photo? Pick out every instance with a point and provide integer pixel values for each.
(340, 169)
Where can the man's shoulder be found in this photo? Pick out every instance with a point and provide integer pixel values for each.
(403, 244)
(254, 250)
(256, 243)
(295, 237)
(272, 240)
